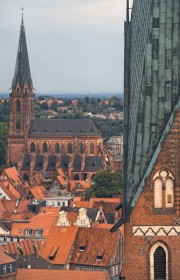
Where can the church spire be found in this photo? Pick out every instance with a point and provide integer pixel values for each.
(22, 72)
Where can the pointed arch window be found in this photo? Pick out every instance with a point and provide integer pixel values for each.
(32, 106)
(159, 262)
(76, 177)
(18, 124)
(92, 149)
(44, 148)
(70, 149)
(18, 106)
(81, 148)
(163, 189)
(57, 148)
(32, 147)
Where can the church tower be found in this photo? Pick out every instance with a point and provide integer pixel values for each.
(21, 101)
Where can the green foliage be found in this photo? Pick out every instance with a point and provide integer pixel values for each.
(3, 142)
(44, 106)
(107, 183)
(4, 111)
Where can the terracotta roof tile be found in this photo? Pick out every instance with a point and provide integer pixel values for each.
(38, 192)
(11, 205)
(72, 217)
(61, 180)
(5, 258)
(58, 244)
(43, 221)
(11, 192)
(47, 274)
(79, 204)
(61, 173)
(111, 200)
(97, 240)
(27, 246)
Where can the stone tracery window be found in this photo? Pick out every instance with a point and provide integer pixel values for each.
(81, 148)
(32, 147)
(163, 182)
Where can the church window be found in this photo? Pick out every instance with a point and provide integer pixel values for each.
(32, 147)
(163, 189)
(25, 90)
(18, 124)
(92, 149)
(159, 262)
(18, 106)
(31, 106)
(44, 148)
(57, 149)
(70, 149)
(76, 177)
(81, 148)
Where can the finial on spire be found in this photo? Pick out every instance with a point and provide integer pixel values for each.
(22, 13)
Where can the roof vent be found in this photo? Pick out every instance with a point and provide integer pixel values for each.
(57, 129)
(82, 129)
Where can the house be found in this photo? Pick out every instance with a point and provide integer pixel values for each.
(38, 226)
(38, 192)
(96, 249)
(58, 246)
(78, 187)
(57, 201)
(7, 191)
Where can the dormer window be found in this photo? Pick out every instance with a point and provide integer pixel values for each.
(27, 232)
(53, 253)
(82, 246)
(100, 255)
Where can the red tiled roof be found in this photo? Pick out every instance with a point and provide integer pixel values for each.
(112, 200)
(13, 174)
(97, 240)
(47, 274)
(61, 180)
(10, 205)
(5, 258)
(43, 221)
(11, 192)
(38, 192)
(80, 204)
(58, 244)
(26, 245)
(72, 217)
(61, 173)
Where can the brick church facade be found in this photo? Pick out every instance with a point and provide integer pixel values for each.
(151, 171)
(47, 144)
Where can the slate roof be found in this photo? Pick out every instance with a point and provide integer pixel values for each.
(26, 162)
(51, 163)
(22, 72)
(35, 263)
(92, 164)
(77, 164)
(63, 127)
(39, 162)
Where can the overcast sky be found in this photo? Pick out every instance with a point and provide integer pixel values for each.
(73, 45)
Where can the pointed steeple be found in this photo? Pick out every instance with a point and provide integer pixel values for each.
(22, 72)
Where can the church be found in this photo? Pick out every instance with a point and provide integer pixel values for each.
(34, 145)
(151, 171)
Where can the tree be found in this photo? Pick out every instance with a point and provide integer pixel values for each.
(107, 183)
